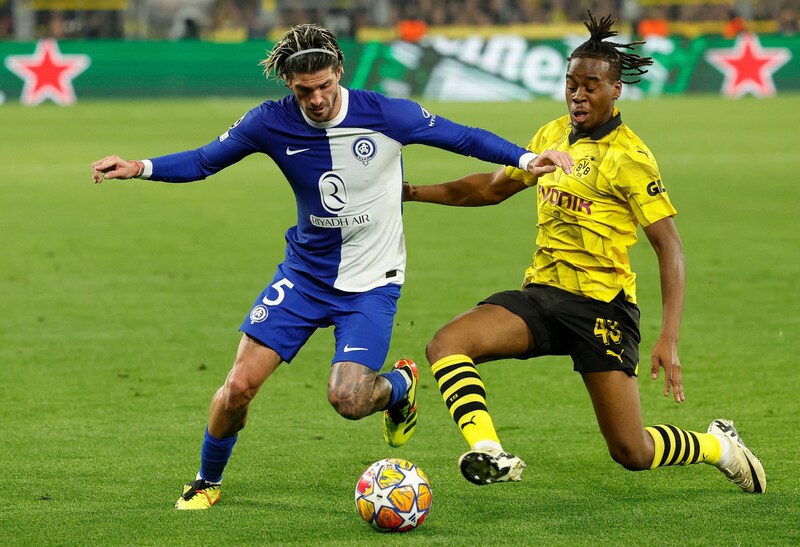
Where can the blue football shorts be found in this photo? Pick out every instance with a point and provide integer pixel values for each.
(295, 304)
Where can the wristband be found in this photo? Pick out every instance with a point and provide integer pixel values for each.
(140, 169)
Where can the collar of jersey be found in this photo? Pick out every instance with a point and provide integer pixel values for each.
(345, 94)
(599, 132)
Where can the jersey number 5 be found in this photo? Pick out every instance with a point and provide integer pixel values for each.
(278, 286)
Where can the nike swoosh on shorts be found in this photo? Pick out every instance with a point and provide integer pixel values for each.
(348, 349)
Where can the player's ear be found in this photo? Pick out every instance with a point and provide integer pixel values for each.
(617, 90)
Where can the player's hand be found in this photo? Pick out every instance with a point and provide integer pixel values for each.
(550, 160)
(114, 167)
(665, 355)
(408, 191)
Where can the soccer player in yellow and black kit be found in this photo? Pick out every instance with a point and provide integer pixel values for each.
(579, 295)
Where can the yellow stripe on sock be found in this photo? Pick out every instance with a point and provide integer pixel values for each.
(676, 446)
(658, 441)
(450, 360)
(464, 394)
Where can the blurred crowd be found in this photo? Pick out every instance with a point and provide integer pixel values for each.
(479, 12)
(237, 20)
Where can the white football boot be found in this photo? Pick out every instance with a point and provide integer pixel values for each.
(744, 469)
(489, 465)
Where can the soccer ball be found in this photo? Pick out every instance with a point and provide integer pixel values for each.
(393, 495)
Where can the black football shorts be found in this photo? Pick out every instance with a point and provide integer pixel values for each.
(599, 336)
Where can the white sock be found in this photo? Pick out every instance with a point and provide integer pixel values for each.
(487, 445)
(408, 380)
(199, 478)
(726, 454)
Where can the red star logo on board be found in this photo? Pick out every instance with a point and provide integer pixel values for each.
(748, 67)
(48, 74)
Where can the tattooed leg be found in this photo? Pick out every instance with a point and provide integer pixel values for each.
(356, 391)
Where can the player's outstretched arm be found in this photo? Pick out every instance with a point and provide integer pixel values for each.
(114, 167)
(471, 191)
(663, 236)
(486, 188)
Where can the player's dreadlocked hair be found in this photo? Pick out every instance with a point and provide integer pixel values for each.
(621, 63)
(303, 49)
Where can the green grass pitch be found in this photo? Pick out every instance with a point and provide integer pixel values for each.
(121, 302)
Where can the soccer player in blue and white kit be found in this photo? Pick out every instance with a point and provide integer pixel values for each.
(340, 151)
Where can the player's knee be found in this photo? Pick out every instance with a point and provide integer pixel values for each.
(440, 346)
(631, 457)
(432, 351)
(237, 393)
(347, 405)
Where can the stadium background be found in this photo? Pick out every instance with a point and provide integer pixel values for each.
(475, 50)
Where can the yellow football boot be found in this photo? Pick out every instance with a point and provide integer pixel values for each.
(400, 420)
(198, 495)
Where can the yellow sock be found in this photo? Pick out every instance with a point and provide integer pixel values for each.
(465, 396)
(675, 446)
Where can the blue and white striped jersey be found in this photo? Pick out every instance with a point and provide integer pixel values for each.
(346, 175)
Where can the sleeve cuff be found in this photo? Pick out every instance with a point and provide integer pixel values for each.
(523, 161)
(148, 169)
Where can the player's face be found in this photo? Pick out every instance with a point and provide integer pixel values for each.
(318, 93)
(590, 93)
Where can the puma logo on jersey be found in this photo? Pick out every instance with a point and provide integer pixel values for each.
(617, 355)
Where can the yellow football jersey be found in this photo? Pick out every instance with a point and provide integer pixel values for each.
(588, 219)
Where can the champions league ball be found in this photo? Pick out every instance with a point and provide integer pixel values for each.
(393, 495)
